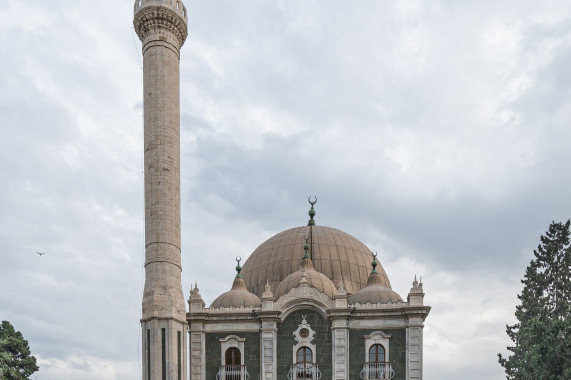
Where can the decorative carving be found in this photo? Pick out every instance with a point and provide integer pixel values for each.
(268, 291)
(241, 309)
(159, 16)
(388, 305)
(304, 334)
(341, 289)
(304, 292)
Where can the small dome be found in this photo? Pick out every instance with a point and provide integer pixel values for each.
(238, 296)
(318, 280)
(374, 292)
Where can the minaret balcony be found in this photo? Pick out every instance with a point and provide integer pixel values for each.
(232, 372)
(304, 370)
(377, 370)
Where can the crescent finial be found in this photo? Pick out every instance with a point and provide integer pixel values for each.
(310, 202)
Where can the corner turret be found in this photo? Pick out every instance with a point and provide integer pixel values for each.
(416, 294)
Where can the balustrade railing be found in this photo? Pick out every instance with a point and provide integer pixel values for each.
(232, 372)
(304, 370)
(373, 371)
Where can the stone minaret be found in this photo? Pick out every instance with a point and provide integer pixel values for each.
(162, 27)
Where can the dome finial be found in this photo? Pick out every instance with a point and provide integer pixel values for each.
(306, 247)
(238, 267)
(311, 211)
(374, 262)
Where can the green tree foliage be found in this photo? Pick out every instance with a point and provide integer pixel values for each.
(16, 362)
(542, 336)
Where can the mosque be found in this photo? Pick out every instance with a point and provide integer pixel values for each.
(311, 302)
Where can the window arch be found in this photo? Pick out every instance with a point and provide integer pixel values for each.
(232, 356)
(377, 353)
(304, 355)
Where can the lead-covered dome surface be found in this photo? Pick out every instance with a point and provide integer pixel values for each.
(313, 278)
(375, 292)
(336, 254)
(238, 296)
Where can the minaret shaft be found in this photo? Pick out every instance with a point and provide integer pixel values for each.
(161, 26)
(163, 291)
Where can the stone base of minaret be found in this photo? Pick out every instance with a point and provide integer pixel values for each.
(164, 349)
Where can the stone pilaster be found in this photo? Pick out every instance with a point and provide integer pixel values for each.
(197, 352)
(269, 345)
(417, 312)
(268, 336)
(162, 27)
(340, 338)
(414, 353)
(196, 317)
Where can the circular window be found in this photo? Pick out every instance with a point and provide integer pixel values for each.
(304, 333)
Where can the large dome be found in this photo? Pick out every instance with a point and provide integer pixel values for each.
(336, 254)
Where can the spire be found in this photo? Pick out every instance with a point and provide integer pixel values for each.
(306, 262)
(311, 213)
(238, 283)
(238, 267)
(375, 277)
(306, 247)
(195, 302)
(268, 292)
(416, 294)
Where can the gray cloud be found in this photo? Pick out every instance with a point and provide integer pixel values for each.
(435, 132)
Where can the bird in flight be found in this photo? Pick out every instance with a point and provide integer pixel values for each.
(41, 253)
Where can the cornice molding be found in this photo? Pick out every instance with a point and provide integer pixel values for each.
(152, 19)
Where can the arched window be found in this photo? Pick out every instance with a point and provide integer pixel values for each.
(233, 362)
(304, 355)
(377, 354)
(232, 356)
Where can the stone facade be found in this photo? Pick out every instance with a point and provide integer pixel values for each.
(339, 335)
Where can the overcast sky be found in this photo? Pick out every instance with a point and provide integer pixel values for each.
(436, 132)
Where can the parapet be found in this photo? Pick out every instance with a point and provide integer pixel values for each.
(170, 14)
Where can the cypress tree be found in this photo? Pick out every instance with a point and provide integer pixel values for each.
(542, 336)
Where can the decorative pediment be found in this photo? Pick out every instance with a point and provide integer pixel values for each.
(377, 335)
(304, 293)
(232, 340)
